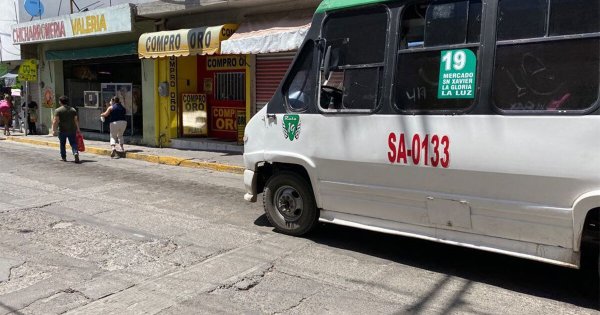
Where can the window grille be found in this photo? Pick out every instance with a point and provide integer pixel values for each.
(230, 86)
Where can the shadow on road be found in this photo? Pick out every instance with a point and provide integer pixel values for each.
(262, 221)
(87, 161)
(519, 275)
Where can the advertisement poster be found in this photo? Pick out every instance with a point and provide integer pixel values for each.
(28, 70)
(194, 115)
(224, 119)
(48, 98)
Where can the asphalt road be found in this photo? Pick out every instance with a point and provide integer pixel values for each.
(128, 237)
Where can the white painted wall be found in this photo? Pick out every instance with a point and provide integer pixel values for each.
(8, 51)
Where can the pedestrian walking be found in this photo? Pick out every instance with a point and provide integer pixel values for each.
(65, 118)
(6, 108)
(31, 108)
(117, 122)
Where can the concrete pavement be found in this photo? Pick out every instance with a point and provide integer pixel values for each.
(217, 161)
(127, 237)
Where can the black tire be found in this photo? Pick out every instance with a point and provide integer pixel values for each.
(290, 204)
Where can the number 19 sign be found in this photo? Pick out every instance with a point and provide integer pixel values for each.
(457, 74)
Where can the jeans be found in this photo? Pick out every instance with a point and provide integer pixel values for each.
(32, 129)
(62, 137)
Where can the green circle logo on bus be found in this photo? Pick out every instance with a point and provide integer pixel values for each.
(291, 127)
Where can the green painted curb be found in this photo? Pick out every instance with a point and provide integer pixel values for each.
(156, 159)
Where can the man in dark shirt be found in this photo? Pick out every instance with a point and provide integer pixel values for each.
(65, 118)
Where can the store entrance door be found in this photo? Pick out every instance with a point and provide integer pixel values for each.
(229, 98)
(223, 80)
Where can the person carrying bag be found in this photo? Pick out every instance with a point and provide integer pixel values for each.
(6, 113)
(117, 120)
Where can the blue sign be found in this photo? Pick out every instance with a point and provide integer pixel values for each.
(34, 7)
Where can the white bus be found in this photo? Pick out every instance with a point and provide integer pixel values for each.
(472, 123)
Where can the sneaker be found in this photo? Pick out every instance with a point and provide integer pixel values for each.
(77, 158)
(113, 153)
(64, 159)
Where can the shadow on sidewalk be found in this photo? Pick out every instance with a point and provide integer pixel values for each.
(87, 161)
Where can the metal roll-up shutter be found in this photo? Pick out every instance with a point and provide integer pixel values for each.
(270, 70)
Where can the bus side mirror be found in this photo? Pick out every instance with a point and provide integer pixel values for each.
(327, 62)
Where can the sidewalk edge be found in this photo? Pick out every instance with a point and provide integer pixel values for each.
(151, 158)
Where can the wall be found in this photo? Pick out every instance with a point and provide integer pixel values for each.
(149, 98)
(8, 51)
(50, 77)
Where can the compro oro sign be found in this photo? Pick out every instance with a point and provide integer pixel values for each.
(111, 20)
(185, 42)
(194, 115)
(230, 62)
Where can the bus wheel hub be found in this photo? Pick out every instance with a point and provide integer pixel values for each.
(289, 203)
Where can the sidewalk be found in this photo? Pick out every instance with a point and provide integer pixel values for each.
(217, 161)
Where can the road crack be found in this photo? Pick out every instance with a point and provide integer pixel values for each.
(246, 281)
(302, 300)
(30, 208)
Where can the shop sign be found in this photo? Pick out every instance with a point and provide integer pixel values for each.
(28, 70)
(194, 114)
(116, 19)
(184, 42)
(173, 83)
(224, 119)
(230, 62)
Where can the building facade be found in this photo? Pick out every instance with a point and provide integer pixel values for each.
(184, 71)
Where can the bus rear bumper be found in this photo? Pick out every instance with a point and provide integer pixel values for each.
(250, 183)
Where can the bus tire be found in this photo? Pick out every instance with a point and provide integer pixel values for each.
(290, 204)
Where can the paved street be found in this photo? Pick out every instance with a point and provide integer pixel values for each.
(124, 236)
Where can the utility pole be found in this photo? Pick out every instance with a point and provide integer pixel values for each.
(71, 2)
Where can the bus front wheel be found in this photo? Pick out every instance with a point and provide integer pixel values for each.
(290, 204)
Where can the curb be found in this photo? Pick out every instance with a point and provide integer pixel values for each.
(150, 158)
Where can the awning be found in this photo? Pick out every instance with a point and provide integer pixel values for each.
(91, 53)
(9, 76)
(269, 34)
(184, 42)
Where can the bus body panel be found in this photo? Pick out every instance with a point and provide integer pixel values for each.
(351, 173)
(548, 254)
(515, 184)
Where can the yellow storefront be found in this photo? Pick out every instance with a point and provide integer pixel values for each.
(197, 92)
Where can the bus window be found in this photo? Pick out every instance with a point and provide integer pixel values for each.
(574, 17)
(445, 23)
(474, 21)
(355, 42)
(299, 89)
(555, 75)
(521, 19)
(413, 26)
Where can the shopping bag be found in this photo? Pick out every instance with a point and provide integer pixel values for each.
(80, 144)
